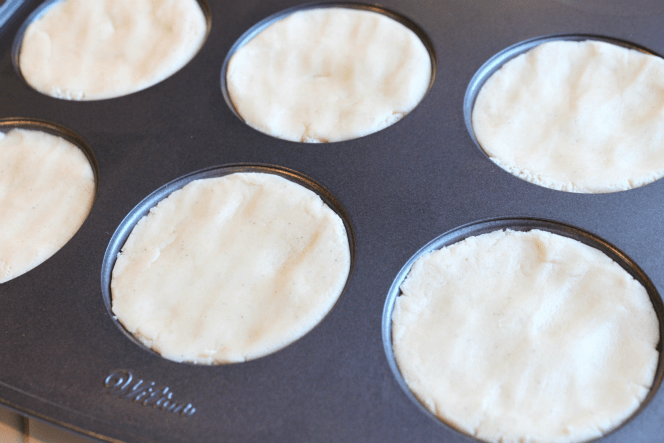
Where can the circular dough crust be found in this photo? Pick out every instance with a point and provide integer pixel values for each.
(525, 337)
(230, 269)
(576, 116)
(46, 190)
(328, 74)
(98, 49)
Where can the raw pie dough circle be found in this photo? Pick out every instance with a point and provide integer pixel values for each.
(576, 116)
(328, 74)
(97, 49)
(525, 336)
(230, 269)
(46, 190)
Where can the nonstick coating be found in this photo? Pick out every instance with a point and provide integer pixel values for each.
(62, 357)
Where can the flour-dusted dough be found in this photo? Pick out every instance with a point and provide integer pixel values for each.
(525, 337)
(328, 74)
(46, 190)
(230, 269)
(97, 49)
(576, 116)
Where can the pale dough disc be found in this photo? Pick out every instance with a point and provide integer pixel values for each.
(46, 190)
(328, 74)
(230, 269)
(525, 337)
(97, 49)
(576, 116)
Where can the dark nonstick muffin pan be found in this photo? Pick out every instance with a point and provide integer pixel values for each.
(64, 359)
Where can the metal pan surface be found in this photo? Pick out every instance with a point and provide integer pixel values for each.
(63, 358)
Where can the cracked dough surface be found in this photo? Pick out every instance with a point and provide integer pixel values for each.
(328, 74)
(46, 190)
(97, 49)
(230, 269)
(525, 337)
(576, 116)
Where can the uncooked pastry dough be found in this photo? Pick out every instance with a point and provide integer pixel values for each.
(97, 49)
(328, 74)
(576, 116)
(46, 191)
(230, 269)
(525, 337)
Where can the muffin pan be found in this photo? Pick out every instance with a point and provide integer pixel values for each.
(62, 356)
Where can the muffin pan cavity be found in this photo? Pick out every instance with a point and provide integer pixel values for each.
(524, 225)
(338, 71)
(98, 70)
(571, 113)
(149, 204)
(48, 186)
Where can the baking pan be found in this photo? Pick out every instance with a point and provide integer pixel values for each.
(64, 359)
